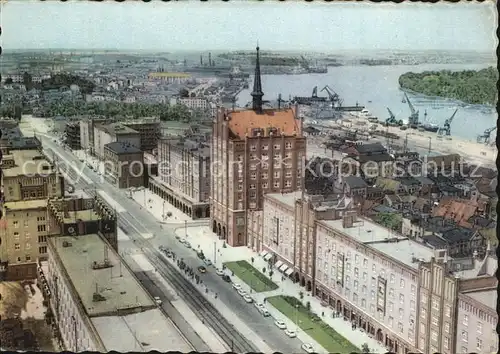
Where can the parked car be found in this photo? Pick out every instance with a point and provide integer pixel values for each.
(308, 348)
(264, 312)
(162, 248)
(242, 292)
(280, 324)
(187, 244)
(259, 305)
(219, 272)
(158, 300)
(248, 299)
(226, 278)
(290, 333)
(236, 286)
(177, 237)
(202, 269)
(208, 262)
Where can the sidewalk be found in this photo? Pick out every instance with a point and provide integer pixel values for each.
(206, 239)
(158, 207)
(203, 237)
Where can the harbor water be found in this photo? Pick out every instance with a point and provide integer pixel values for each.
(377, 87)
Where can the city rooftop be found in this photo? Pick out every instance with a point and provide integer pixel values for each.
(115, 287)
(27, 162)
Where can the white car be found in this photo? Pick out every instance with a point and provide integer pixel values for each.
(236, 286)
(290, 333)
(187, 244)
(280, 324)
(208, 262)
(242, 292)
(248, 298)
(259, 305)
(308, 348)
(158, 300)
(219, 272)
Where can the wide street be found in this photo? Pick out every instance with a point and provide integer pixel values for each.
(137, 222)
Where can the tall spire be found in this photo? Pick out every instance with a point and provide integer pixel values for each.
(257, 87)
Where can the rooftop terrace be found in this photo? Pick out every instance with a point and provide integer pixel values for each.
(117, 288)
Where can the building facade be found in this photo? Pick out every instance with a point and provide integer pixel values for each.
(124, 165)
(114, 132)
(72, 135)
(28, 180)
(169, 78)
(254, 152)
(149, 129)
(184, 175)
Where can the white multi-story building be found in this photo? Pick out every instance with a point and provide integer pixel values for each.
(477, 317)
(98, 303)
(195, 103)
(114, 132)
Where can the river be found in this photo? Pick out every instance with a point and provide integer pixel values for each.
(377, 88)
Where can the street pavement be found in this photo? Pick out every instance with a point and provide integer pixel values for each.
(265, 334)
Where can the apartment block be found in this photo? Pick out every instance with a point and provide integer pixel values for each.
(124, 165)
(149, 130)
(24, 238)
(477, 316)
(72, 135)
(87, 126)
(28, 180)
(254, 152)
(114, 132)
(289, 231)
(184, 173)
(27, 175)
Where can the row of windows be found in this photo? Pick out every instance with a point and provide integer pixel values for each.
(477, 312)
(288, 145)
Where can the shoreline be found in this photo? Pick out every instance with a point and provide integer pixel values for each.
(470, 150)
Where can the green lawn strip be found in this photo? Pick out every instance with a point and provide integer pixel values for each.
(250, 275)
(312, 325)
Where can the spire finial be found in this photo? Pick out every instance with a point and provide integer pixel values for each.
(257, 86)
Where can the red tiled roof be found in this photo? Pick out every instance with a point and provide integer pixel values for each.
(242, 122)
(458, 210)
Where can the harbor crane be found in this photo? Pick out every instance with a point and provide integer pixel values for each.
(413, 118)
(392, 119)
(334, 97)
(446, 128)
(485, 137)
(315, 92)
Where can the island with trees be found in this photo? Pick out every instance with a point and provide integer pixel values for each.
(468, 86)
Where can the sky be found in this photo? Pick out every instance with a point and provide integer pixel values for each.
(239, 25)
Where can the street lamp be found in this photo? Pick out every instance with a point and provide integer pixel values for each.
(296, 318)
(185, 229)
(163, 212)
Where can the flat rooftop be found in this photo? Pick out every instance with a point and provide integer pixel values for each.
(116, 128)
(140, 332)
(116, 285)
(26, 204)
(384, 240)
(28, 162)
(84, 215)
(487, 297)
(286, 198)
